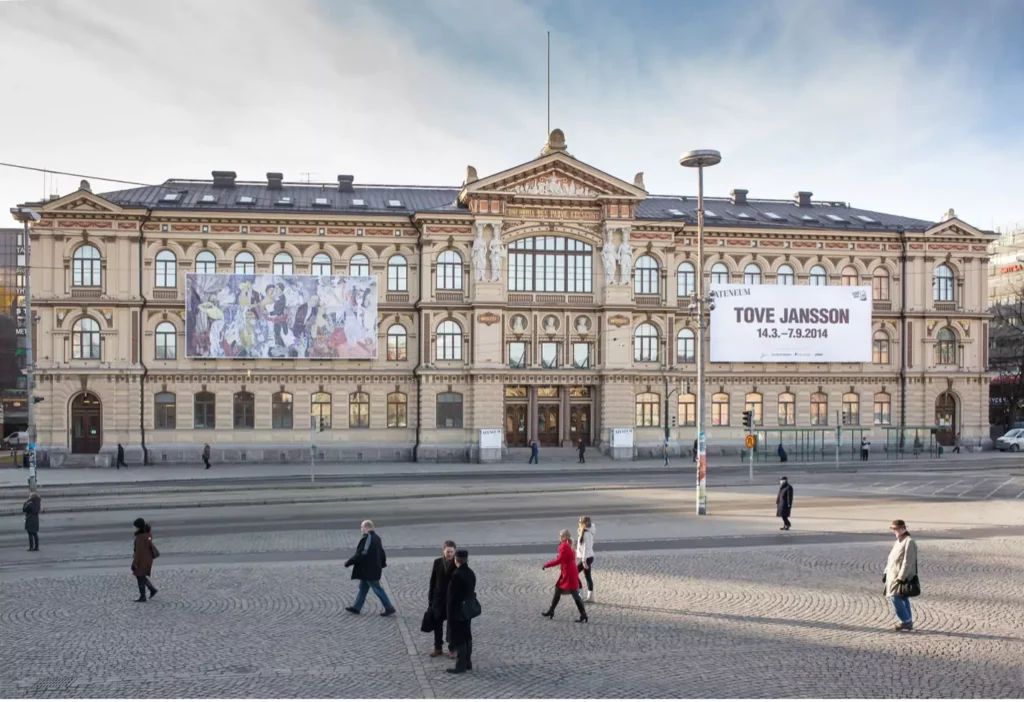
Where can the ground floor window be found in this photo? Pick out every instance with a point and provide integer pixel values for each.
(647, 406)
(449, 410)
(397, 407)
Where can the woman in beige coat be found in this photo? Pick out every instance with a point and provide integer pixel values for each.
(901, 568)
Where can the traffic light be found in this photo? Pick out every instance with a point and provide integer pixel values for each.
(36, 399)
(323, 423)
(748, 419)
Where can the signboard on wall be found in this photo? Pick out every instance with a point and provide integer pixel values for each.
(280, 316)
(490, 438)
(622, 438)
(790, 324)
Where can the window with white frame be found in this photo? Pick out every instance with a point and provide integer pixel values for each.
(449, 270)
(449, 341)
(645, 343)
(685, 280)
(166, 269)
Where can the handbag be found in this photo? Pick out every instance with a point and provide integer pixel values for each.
(908, 588)
(154, 550)
(471, 607)
(427, 625)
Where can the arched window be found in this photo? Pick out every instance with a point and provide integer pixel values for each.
(204, 410)
(819, 409)
(880, 348)
(787, 409)
(784, 276)
(881, 411)
(320, 410)
(645, 276)
(86, 267)
(753, 402)
(449, 341)
(849, 276)
(818, 276)
(685, 346)
(283, 264)
(688, 410)
(648, 409)
(281, 410)
(752, 274)
(449, 270)
(398, 405)
(166, 269)
(945, 347)
(851, 409)
(550, 264)
(321, 265)
(164, 410)
(398, 274)
(359, 265)
(880, 285)
(720, 410)
(359, 410)
(645, 343)
(166, 342)
(942, 283)
(245, 264)
(397, 340)
(85, 340)
(206, 262)
(244, 410)
(719, 273)
(685, 280)
(449, 410)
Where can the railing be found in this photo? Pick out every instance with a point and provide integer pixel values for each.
(398, 298)
(946, 306)
(551, 300)
(684, 301)
(648, 300)
(520, 298)
(581, 299)
(86, 293)
(450, 296)
(165, 294)
(882, 306)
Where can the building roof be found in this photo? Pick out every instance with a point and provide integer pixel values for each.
(403, 200)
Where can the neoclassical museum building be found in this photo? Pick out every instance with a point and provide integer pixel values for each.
(550, 301)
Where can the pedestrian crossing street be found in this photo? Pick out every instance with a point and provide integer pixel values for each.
(950, 486)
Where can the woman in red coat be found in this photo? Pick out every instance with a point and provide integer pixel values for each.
(568, 578)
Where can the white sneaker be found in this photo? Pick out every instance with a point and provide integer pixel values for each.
(589, 597)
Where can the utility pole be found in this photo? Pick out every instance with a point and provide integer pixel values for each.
(25, 215)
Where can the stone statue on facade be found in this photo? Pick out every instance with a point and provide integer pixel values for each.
(497, 253)
(479, 254)
(625, 258)
(608, 259)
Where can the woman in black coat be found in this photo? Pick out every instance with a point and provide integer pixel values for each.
(460, 629)
(784, 502)
(31, 510)
(440, 578)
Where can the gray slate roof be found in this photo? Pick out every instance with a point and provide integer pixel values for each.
(377, 200)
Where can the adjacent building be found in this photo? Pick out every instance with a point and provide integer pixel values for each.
(499, 317)
(13, 400)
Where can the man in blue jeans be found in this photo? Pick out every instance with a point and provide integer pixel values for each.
(534, 452)
(368, 565)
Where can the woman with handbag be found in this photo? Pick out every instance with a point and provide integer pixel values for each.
(142, 561)
(585, 553)
(900, 578)
(568, 578)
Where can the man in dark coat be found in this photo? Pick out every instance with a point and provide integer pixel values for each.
(31, 510)
(120, 457)
(784, 502)
(368, 565)
(437, 596)
(460, 629)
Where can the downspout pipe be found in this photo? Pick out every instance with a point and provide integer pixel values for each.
(417, 372)
(903, 334)
(141, 343)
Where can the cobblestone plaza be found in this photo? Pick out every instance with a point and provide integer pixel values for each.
(792, 621)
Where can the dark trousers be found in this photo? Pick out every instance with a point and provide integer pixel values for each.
(575, 598)
(120, 462)
(582, 459)
(587, 572)
(785, 521)
(143, 584)
(863, 454)
(956, 449)
(463, 634)
(439, 637)
(206, 460)
(534, 457)
(33, 540)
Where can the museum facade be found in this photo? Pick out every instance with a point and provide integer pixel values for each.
(550, 301)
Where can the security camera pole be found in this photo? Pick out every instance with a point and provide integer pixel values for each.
(700, 160)
(25, 215)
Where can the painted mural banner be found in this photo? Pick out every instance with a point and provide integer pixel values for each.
(790, 324)
(280, 316)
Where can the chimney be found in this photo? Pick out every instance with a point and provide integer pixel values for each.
(224, 179)
(803, 198)
(274, 181)
(738, 196)
(345, 184)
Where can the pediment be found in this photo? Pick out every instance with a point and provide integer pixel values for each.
(555, 176)
(82, 202)
(959, 228)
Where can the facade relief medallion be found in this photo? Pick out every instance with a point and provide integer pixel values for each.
(518, 323)
(551, 324)
(582, 325)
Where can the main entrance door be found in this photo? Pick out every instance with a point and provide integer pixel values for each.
(86, 424)
(945, 417)
(515, 425)
(579, 424)
(547, 425)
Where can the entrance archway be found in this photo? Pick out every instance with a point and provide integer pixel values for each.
(86, 424)
(946, 418)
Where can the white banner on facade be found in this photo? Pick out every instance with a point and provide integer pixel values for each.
(490, 438)
(790, 324)
(622, 438)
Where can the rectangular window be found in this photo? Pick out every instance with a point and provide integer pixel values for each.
(449, 410)
(517, 354)
(205, 412)
(549, 354)
(787, 411)
(397, 407)
(688, 411)
(719, 410)
(581, 355)
(882, 415)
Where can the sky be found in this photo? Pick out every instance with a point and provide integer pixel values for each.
(906, 107)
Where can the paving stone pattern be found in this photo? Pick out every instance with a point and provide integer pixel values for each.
(763, 623)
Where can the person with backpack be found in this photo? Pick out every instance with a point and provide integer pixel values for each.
(142, 560)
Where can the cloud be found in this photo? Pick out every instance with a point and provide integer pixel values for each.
(891, 113)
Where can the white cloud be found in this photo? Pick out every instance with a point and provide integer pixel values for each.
(146, 91)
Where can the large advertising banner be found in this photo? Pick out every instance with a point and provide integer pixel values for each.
(790, 324)
(280, 316)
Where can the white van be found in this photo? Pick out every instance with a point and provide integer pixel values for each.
(17, 440)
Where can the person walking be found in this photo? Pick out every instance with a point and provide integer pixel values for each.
(900, 576)
(120, 457)
(142, 560)
(956, 443)
(585, 554)
(460, 628)
(31, 510)
(437, 596)
(368, 566)
(534, 452)
(694, 450)
(783, 456)
(582, 448)
(664, 452)
(568, 578)
(784, 502)
(865, 447)
(206, 455)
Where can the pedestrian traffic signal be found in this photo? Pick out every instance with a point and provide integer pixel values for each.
(748, 419)
(36, 399)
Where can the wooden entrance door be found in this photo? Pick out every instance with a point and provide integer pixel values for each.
(547, 425)
(945, 417)
(86, 424)
(579, 424)
(515, 425)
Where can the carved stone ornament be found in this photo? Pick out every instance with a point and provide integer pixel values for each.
(489, 318)
(554, 184)
(618, 320)
(551, 324)
(479, 253)
(582, 325)
(518, 323)
(625, 258)
(965, 327)
(497, 252)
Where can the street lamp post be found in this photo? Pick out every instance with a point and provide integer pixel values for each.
(700, 160)
(25, 216)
